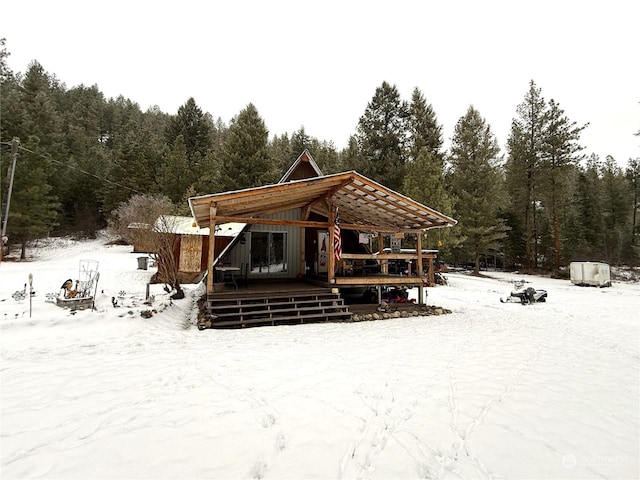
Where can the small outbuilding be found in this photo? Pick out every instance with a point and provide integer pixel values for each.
(192, 243)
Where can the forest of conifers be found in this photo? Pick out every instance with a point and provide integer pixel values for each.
(538, 205)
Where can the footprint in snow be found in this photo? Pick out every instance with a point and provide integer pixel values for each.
(281, 441)
(267, 419)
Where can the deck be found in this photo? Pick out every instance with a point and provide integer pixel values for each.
(289, 302)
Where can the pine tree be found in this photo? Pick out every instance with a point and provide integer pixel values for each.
(171, 179)
(425, 132)
(195, 128)
(132, 167)
(425, 183)
(209, 179)
(477, 185)
(382, 137)
(350, 158)
(616, 210)
(325, 155)
(633, 177)
(282, 153)
(525, 149)
(30, 109)
(246, 161)
(86, 159)
(559, 156)
(589, 204)
(5, 71)
(33, 210)
(300, 141)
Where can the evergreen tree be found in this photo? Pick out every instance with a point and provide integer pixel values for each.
(382, 137)
(220, 131)
(85, 162)
(282, 153)
(425, 183)
(171, 179)
(132, 167)
(196, 130)
(559, 156)
(300, 141)
(425, 132)
(525, 149)
(477, 186)
(33, 209)
(29, 105)
(325, 155)
(350, 157)
(246, 161)
(156, 122)
(119, 115)
(5, 71)
(616, 211)
(588, 205)
(633, 177)
(209, 179)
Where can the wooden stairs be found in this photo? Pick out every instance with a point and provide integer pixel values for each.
(247, 309)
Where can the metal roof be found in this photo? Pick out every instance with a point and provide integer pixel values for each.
(363, 204)
(186, 226)
(305, 156)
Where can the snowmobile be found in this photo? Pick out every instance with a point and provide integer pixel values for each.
(396, 295)
(525, 295)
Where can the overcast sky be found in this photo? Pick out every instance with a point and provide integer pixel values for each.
(317, 63)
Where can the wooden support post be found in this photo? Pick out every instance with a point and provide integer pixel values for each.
(303, 263)
(384, 264)
(432, 276)
(331, 258)
(419, 271)
(212, 248)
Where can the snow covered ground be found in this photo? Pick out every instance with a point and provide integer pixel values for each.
(491, 391)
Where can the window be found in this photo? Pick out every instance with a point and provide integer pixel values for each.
(268, 252)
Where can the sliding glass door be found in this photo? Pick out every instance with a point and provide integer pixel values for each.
(268, 252)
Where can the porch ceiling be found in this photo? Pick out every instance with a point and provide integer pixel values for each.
(362, 203)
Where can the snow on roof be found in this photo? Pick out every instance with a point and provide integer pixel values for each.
(188, 226)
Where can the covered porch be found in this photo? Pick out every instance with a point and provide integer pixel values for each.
(293, 218)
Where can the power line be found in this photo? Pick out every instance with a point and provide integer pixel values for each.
(49, 157)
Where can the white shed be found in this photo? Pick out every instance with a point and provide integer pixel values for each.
(595, 274)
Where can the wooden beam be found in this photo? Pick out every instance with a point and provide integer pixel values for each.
(379, 280)
(419, 267)
(303, 235)
(212, 247)
(315, 184)
(331, 264)
(386, 256)
(271, 221)
(306, 211)
(302, 223)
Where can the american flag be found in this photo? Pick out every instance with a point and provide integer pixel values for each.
(337, 241)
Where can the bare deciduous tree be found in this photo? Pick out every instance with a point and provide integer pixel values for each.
(146, 221)
(134, 219)
(166, 253)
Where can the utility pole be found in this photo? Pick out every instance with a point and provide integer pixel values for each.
(15, 143)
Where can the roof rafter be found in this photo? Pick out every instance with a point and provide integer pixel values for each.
(363, 203)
